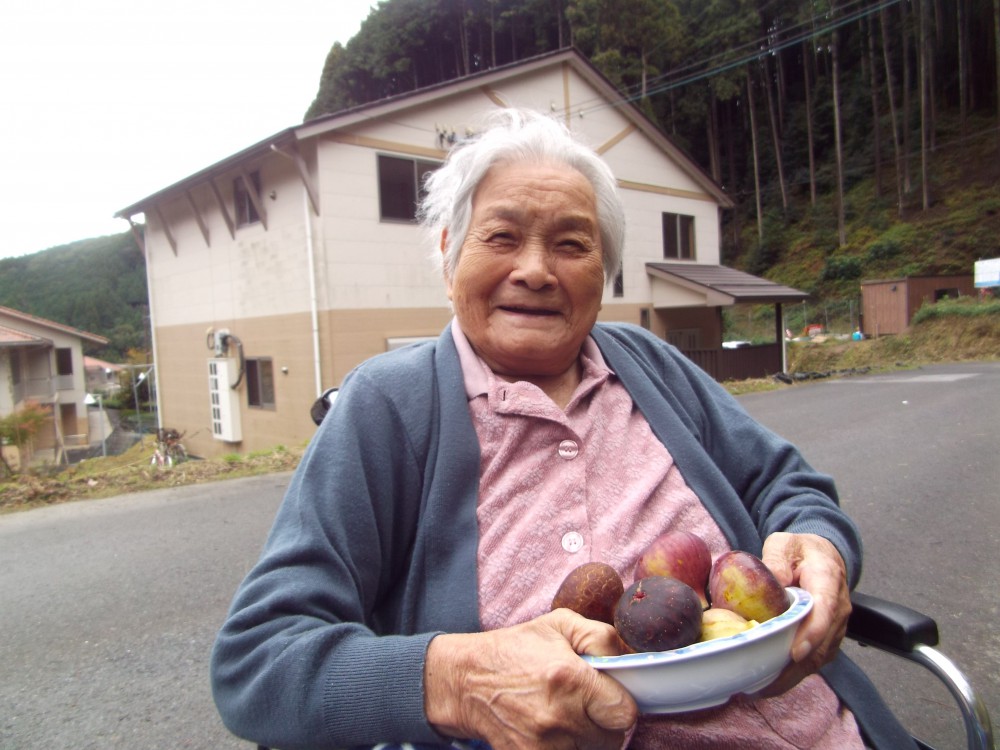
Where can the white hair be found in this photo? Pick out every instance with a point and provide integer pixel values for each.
(513, 136)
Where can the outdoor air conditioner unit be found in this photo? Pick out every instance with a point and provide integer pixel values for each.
(224, 400)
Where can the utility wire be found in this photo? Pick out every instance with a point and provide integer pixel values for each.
(758, 53)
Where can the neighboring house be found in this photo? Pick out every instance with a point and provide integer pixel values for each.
(275, 271)
(41, 361)
(102, 377)
(888, 305)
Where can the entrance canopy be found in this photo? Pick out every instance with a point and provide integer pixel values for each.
(698, 285)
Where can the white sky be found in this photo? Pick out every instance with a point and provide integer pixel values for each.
(107, 101)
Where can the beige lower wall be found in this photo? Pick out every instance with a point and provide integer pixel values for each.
(346, 339)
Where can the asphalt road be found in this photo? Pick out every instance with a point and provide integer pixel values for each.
(916, 456)
(108, 608)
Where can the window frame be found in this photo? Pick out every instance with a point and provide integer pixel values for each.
(259, 373)
(245, 213)
(64, 360)
(679, 239)
(618, 285)
(410, 194)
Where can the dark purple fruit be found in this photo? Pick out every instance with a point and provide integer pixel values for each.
(591, 590)
(658, 614)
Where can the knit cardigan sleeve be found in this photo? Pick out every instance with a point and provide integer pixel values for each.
(326, 638)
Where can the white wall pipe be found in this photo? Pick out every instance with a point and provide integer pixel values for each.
(313, 304)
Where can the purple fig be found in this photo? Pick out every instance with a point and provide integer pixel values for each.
(658, 614)
(681, 555)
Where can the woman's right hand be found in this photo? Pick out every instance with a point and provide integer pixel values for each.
(526, 687)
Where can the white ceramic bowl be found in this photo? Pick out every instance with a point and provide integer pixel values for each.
(707, 674)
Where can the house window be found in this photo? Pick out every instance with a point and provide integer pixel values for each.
(260, 382)
(400, 186)
(678, 236)
(245, 210)
(64, 361)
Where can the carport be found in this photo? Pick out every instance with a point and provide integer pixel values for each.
(688, 299)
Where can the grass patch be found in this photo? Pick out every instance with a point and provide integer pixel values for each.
(131, 472)
(956, 331)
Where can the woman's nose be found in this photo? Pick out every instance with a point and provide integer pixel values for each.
(532, 267)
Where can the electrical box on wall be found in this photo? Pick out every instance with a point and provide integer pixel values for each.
(224, 400)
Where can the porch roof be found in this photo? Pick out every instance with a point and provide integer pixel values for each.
(10, 337)
(722, 286)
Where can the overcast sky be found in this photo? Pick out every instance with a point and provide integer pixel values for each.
(107, 101)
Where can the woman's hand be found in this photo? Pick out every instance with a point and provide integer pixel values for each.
(812, 563)
(526, 687)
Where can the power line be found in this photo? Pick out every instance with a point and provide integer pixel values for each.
(758, 53)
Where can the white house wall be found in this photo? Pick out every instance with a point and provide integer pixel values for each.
(366, 263)
(260, 272)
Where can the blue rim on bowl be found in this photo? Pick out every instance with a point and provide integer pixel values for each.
(708, 673)
(799, 608)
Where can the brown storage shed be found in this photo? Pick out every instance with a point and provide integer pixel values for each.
(888, 305)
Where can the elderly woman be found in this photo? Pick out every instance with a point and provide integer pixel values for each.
(404, 592)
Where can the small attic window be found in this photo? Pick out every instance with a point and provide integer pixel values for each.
(244, 209)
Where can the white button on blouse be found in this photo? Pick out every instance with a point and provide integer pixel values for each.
(569, 449)
(572, 541)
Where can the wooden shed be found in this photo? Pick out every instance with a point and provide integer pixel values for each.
(888, 305)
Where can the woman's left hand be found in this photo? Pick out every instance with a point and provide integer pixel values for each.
(814, 564)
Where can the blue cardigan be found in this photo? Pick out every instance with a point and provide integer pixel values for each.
(373, 551)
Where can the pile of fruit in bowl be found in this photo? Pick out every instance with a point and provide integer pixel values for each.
(699, 631)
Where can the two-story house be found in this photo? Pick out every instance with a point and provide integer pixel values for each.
(276, 270)
(42, 361)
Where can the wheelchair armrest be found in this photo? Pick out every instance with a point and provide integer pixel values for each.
(888, 625)
(913, 635)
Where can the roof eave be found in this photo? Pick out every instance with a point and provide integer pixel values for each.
(257, 150)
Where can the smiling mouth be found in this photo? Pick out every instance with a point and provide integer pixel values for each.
(534, 311)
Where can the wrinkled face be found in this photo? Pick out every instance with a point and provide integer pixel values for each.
(528, 283)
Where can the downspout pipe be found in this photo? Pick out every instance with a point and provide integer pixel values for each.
(311, 265)
(313, 304)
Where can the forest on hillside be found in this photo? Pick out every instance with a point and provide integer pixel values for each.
(790, 105)
(97, 285)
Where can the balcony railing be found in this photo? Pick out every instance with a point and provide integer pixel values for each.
(43, 388)
(39, 388)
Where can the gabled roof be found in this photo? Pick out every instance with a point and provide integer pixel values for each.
(50, 324)
(398, 104)
(724, 282)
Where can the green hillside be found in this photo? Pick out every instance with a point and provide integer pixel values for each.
(97, 285)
